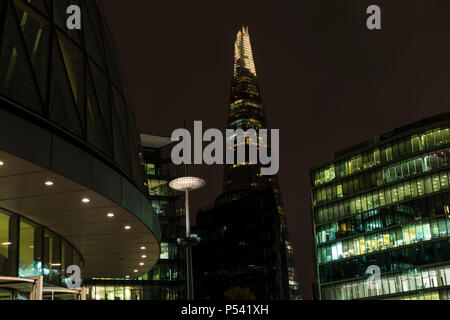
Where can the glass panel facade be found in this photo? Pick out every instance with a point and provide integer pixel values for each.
(69, 77)
(28, 249)
(391, 211)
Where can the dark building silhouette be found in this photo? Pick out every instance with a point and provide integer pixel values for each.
(265, 261)
(385, 202)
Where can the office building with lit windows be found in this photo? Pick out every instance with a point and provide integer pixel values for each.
(166, 280)
(73, 186)
(386, 202)
(242, 183)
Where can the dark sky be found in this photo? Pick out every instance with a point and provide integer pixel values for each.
(327, 82)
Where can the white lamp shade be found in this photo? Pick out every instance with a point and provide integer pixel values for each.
(187, 183)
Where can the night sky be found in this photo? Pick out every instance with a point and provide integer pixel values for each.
(326, 81)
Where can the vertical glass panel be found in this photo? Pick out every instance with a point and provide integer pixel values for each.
(446, 135)
(420, 186)
(27, 264)
(119, 116)
(434, 229)
(413, 186)
(427, 230)
(401, 192)
(16, 76)
(92, 35)
(407, 190)
(415, 143)
(363, 202)
(394, 194)
(381, 197)
(37, 35)
(96, 132)
(4, 243)
(52, 258)
(74, 60)
(67, 258)
(63, 109)
(428, 185)
(436, 182)
(387, 193)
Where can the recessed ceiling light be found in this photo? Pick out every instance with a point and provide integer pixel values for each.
(143, 256)
(127, 227)
(6, 243)
(141, 263)
(128, 277)
(86, 200)
(110, 215)
(143, 247)
(1, 163)
(135, 270)
(49, 183)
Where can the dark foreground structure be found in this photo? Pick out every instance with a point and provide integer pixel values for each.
(71, 173)
(386, 202)
(245, 242)
(240, 248)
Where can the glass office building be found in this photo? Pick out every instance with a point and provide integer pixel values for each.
(385, 202)
(166, 280)
(74, 189)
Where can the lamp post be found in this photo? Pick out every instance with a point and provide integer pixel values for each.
(187, 184)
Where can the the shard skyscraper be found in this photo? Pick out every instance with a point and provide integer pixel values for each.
(245, 243)
(245, 112)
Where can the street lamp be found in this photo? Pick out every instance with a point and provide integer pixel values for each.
(187, 184)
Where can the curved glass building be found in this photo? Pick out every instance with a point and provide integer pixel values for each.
(386, 203)
(73, 188)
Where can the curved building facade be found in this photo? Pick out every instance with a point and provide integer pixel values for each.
(73, 184)
(386, 203)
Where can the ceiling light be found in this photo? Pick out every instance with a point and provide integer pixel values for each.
(143, 256)
(110, 215)
(86, 200)
(6, 243)
(128, 277)
(141, 263)
(135, 270)
(127, 227)
(49, 183)
(56, 264)
(1, 163)
(143, 247)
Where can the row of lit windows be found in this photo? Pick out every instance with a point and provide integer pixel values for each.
(442, 294)
(111, 292)
(367, 180)
(387, 239)
(420, 254)
(382, 154)
(385, 196)
(433, 206)
(391, 284)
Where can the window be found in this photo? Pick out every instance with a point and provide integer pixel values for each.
(4, 243)
(28, 266)
(164, 251)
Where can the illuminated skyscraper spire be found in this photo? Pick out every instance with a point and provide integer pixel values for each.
(243, 55)
(247, 112)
